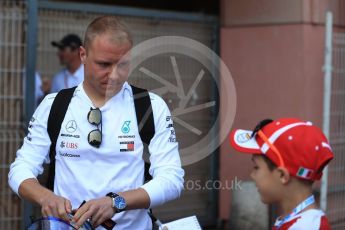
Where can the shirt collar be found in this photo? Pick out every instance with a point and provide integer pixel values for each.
(126, 89)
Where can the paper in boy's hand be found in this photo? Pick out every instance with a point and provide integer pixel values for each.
(188, 223)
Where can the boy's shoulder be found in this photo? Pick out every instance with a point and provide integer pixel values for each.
(315, 220)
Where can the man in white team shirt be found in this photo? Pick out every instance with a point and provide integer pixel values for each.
(86, 172)
(68, 53)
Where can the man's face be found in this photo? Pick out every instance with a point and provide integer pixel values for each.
(66, 55)
(106, 65)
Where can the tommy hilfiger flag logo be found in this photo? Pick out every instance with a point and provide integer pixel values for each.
(304, 173)
(126, 146)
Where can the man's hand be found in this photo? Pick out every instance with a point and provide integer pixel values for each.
(97, 210)
(53, 205)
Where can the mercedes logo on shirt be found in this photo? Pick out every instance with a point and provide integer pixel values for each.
(71, 126)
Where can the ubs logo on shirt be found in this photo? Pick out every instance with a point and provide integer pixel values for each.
(68, 145)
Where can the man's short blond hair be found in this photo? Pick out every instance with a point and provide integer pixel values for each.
(107, 25)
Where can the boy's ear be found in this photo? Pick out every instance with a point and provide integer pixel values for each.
(284, 175)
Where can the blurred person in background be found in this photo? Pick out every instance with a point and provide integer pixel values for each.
(42, 87)
(68, 53)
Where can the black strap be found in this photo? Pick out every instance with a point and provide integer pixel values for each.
(143, 110)
(56, 116)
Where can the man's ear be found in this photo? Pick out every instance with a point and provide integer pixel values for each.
(82, 54)
(283, 174)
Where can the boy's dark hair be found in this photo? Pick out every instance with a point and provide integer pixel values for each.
(271, 166)
(260, 125)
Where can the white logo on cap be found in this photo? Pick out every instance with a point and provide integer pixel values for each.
(243, 138)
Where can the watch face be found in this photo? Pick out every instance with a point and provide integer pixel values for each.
(120, 203)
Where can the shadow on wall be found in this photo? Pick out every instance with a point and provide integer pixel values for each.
(247, 210)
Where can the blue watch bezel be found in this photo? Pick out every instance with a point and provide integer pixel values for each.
(120, 203)
(116, 205)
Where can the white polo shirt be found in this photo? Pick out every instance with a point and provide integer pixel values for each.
(84, 172)
(64, 79)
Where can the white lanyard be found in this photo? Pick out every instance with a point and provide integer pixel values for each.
(307, 202)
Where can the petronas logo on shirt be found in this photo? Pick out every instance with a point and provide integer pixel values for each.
(125, 127)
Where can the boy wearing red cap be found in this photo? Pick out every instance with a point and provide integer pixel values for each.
(288, 156)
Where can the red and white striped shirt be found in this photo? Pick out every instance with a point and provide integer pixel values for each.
(312, 219)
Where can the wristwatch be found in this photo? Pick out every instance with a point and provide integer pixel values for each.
(119, 203)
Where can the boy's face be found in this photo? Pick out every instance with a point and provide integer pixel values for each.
(267, 181)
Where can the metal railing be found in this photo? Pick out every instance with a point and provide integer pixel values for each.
(333, 182)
